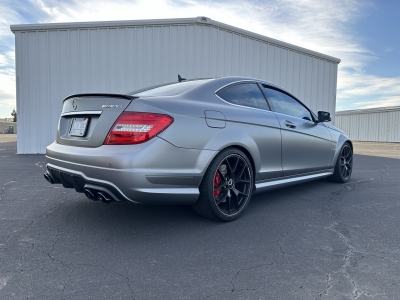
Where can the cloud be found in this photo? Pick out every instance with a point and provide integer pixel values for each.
(381, 102)
(298, 22)
(7, 59)
(7, 83)
(7, 93)
(389, 49)
(373, 91)
(323, 26)
(353, 84)
(8, 16)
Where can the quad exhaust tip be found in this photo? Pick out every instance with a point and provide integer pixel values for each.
(89, 194)
(103, 198)
(98, 196)
(48, 178)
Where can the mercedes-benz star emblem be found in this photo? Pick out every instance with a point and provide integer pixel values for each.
(230, 183)
(74, 105)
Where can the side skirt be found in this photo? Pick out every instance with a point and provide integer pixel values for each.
(279, 183)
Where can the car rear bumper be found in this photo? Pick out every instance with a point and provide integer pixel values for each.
(155, 172)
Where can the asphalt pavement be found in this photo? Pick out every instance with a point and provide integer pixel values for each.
(317, 240)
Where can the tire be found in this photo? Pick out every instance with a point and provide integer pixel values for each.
(227, 186)
(344, 165)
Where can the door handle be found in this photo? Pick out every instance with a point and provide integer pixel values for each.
(289, 124)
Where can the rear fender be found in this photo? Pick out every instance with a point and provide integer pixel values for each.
(233, 138)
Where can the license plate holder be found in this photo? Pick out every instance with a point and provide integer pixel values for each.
(78, 126)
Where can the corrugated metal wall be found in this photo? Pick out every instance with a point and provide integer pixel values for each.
(378, 126)
(52, 64)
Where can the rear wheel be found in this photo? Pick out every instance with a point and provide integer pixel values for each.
(227, 186)
(344, 165)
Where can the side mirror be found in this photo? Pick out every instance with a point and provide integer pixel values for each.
(324, 116)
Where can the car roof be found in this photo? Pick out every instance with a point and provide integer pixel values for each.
(228, 80)
(234, 79)
(214, 85)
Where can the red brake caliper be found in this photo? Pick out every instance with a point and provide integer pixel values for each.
(217, 181)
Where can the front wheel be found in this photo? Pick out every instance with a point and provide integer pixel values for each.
(344, 165)
(226, 188)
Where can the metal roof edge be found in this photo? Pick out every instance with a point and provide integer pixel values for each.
(200, 20)
(367, 110)
(97, 24)
(267, 39)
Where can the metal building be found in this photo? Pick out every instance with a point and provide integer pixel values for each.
(371, 125)
(56, 60)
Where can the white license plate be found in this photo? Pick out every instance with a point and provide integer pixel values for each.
(79, 126)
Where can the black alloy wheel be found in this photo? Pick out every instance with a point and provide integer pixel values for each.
(346, 161)
(232, 184)
(226, 187)
(344, 165)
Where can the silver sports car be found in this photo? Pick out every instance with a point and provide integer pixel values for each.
(211, 143)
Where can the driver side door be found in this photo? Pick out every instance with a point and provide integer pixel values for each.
(306, 145)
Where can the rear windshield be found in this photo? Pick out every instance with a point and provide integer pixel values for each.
(171, 89)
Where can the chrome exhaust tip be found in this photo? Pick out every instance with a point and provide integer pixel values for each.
(48, 178)
(89, 194)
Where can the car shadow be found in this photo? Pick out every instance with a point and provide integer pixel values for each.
(124, 214)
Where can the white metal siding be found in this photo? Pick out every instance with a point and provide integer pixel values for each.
(371, 126)
(52, 64)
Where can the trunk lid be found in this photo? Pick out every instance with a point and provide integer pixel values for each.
(86, 119)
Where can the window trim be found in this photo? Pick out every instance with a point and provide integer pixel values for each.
(291, 96)
(235, 82)
(244, 82)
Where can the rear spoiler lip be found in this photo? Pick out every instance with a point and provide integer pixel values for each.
(128, 97)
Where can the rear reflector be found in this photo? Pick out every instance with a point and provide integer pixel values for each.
(137, 127)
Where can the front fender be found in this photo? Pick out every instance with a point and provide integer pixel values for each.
(340, 140)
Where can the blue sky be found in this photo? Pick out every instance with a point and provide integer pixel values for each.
(364, 34)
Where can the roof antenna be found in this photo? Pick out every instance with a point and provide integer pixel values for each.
(180, 78)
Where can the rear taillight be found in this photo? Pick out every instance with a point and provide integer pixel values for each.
(136, 128)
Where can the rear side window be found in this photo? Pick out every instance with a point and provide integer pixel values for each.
(245, 94)
(171, 89)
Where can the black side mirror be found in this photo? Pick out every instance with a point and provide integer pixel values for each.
(324, 116)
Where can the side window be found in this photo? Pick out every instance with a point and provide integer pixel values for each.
(245, 94)
(287, 105)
